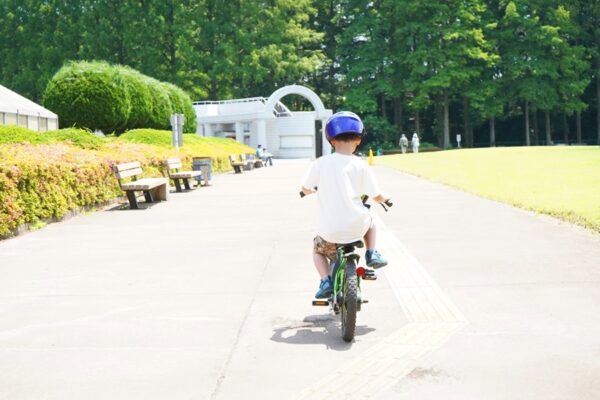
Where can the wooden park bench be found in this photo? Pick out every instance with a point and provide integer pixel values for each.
(173, 167)
(153, 188)
(237, 162)
(244, 162)
(257, 162)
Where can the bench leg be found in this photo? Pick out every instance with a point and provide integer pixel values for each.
(186, 183)
(148, 196)
(160, 193)
(177, 184)
(132, 200)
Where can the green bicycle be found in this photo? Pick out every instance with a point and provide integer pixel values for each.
(346, 298)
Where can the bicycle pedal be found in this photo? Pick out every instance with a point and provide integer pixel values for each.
(370, 275)
(320, 303)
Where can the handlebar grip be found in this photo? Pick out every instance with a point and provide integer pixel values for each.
(389, 203)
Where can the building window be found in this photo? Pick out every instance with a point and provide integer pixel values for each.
(43, 124)
(10, 119)
(32, 123)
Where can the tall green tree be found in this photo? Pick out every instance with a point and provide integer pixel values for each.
(446, 50)
(587, 17)
(541, 67)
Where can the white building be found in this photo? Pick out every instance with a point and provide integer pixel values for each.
(268, 122)
(17, 110)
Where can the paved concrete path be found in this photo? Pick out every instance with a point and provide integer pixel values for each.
(207, 296)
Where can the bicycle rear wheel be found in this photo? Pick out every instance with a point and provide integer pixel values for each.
(349, 305)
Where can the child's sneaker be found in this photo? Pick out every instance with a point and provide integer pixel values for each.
(374, 259)
(325, 288)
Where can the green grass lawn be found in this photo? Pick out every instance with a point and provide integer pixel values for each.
(561, 181)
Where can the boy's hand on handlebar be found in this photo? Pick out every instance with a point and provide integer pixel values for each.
(381, 198)
(307, 191)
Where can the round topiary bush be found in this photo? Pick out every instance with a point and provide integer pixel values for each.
(90, 95)
(162, 107)
(140, 98)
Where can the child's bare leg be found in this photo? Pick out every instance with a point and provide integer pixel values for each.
(322, 264)
(371, 238)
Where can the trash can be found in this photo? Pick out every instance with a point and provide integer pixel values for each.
(203, 164)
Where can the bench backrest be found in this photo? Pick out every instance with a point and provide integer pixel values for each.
(127, 170)
(173, 163)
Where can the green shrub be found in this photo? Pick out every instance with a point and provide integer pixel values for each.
(140, 97)
(44, 175)
(38, 182)
(15, 134)
(148, 136)
(162, 107)
(78, 137)
(89, 95)
(96, 95)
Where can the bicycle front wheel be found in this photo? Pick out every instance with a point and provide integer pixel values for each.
(349, 305)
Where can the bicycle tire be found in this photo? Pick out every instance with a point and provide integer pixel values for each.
(349, 306)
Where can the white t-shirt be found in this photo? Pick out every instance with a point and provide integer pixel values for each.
(341, 180)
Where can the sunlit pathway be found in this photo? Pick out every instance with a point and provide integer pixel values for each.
(207, 296)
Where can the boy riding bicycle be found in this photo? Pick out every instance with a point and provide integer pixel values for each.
(342, 179)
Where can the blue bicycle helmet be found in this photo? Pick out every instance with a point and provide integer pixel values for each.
(343, 122)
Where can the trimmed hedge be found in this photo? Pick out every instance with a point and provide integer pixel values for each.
(218, 149)
(161, 105)
(44, 175)
(115, 98)
(140, 98)
(77, 137)
(90, 95)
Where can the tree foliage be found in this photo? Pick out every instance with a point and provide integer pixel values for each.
(442, 68)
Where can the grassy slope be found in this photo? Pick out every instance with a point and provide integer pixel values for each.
(560, 181)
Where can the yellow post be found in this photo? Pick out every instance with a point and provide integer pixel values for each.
(370, 156)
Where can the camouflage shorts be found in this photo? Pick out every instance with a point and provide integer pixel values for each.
(322, 246)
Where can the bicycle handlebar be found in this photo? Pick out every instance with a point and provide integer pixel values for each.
(364, 199)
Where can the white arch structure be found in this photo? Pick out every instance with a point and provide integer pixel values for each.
(315, 100)
(321, 113)
(288, 133)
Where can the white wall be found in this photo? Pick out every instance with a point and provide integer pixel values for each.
(34, 123)
(294, 137)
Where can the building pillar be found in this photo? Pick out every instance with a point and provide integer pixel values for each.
(326, 145)
(208, 131)
(261, 132)
(239, 132)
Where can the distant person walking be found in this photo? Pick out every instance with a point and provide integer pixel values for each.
(403, 143)
(415, 142)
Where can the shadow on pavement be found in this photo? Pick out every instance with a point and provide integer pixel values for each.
(125, 206)
(317, 329)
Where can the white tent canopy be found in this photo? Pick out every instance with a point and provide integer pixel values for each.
(18, 110)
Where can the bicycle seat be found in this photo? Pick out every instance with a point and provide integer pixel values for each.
(359, 244)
